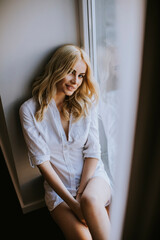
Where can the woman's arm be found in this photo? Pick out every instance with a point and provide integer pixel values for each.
(88, 171)
(55, 182)
(91, 152)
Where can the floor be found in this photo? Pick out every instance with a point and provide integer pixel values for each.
(16, 224)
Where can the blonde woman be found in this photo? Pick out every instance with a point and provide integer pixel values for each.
(61, 132)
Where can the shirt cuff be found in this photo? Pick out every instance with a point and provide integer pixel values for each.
(92, 155)
(37, 160)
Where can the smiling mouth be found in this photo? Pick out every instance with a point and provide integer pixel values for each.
(70, 88)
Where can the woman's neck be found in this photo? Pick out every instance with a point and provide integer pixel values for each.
(59, 98)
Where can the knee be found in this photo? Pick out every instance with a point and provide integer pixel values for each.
(89, 202)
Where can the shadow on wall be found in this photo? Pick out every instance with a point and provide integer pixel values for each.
(27, 181)
(6, 146)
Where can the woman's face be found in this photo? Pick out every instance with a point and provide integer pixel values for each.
(73, 79)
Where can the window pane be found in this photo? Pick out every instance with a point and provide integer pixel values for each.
(107, 66)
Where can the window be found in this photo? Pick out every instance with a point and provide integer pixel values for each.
(119, 82)
(107, 76)
(99, 40)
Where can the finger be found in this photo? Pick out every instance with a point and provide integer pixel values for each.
(84, 222)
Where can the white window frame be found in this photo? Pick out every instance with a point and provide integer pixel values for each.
(88, 30)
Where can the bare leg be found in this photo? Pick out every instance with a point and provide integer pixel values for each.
(69, 224)
(95, 196)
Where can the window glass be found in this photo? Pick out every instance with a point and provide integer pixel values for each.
(107, 76)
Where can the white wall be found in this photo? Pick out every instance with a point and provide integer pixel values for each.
(29, 32)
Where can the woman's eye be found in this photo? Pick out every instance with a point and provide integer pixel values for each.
(81, 76)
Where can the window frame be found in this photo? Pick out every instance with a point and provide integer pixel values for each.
(88, 30)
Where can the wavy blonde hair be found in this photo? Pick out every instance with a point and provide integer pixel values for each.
(44, 88)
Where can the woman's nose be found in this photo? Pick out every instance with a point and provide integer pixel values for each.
(74, 80)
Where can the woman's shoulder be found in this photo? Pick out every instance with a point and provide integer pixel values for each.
(92, 113)
(29, 105)
(94, 109)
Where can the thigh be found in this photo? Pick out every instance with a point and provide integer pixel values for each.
(69, 224)
(99, 190)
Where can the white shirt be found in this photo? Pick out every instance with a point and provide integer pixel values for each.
(46, 140)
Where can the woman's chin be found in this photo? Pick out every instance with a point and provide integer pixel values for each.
(69, 93)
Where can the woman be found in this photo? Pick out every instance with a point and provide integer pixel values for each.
(61, 131)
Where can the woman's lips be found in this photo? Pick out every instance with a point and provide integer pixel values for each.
(70, 88)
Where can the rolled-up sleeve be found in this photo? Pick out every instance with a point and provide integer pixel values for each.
(92, 147)
(38, 150)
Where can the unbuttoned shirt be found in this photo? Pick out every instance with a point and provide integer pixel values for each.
(47, 141)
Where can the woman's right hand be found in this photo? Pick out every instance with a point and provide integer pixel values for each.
(77, 211)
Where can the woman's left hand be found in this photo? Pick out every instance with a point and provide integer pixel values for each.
(78, 197)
